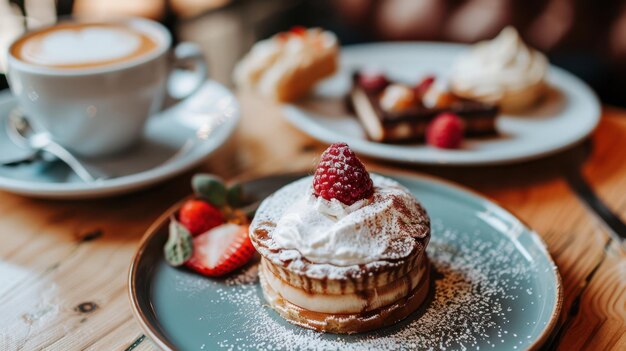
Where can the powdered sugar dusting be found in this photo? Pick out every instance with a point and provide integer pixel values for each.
(478, 285)
(300, 224)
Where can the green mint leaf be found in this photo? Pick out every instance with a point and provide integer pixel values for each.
(179, 246)
(211, 188)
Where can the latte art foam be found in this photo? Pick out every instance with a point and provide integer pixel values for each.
(83, 45)
(80, 46)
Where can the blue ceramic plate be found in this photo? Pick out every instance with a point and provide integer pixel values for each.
(495, 288)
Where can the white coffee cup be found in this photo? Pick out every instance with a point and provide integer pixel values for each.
(100, 110)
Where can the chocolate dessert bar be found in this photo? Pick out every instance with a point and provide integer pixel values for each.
(410, 123)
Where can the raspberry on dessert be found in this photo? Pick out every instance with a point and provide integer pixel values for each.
(445, 131)
(298, 30)
(341, 175)
(372, 80)
(198, 216)
(424, 85)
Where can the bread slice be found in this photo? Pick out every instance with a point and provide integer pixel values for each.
(288, 65)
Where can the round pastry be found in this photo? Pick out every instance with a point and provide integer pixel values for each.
(502, 71)
(338, 267)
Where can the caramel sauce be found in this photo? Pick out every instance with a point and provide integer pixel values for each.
(351, 323)
(261, 234)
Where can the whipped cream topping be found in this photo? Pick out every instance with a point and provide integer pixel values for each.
(493, 67)
(380, 228)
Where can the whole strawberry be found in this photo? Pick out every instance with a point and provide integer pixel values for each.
(445, 131)
(341, 175)
(198, 216)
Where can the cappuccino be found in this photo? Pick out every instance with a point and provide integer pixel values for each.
(83, 45)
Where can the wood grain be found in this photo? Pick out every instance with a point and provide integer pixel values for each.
(63, 264)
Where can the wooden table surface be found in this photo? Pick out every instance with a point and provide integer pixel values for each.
(64, 264)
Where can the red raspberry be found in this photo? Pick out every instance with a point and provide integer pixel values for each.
(341, 175)
(372, 80)
(198, 216)
(445, 131)
(298, 30)
(424, 85)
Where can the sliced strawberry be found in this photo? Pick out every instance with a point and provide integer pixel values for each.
(221, 250)
(198, 216)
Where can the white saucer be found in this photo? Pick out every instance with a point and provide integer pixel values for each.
(175, 140)
(569, 114)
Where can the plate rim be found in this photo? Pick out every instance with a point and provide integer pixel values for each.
(121, 185)
(138, 313)
(291, 111)
(152, 230)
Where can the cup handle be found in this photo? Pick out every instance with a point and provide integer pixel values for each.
(189, 71)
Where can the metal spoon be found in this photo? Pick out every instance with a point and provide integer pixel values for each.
(22, 133)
